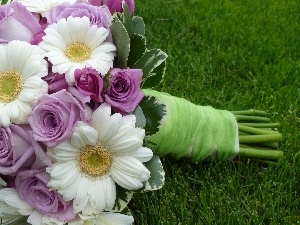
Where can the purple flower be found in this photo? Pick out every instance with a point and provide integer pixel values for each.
(32, 188)
(124, 91)
(89, 82)
(18, 150)
(54, 117)
(17, 23)
(99, 16)
(116, 5)
(56, 82)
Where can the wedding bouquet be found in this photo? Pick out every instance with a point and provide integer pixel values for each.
(79, 119)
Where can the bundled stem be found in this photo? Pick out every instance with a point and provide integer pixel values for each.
(258, 137)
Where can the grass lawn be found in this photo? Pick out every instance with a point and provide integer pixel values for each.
(231, 54)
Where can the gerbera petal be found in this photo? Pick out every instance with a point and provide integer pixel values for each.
(143, 154)
(4, 116)
(127, 146)
(97, 195)
(83, 135)
(132, 167)
(59, 170)
(13, 110)
(101, 116)
(94, 37)
(110, 192)
(106, 47)
(125, 181)
(115, 219)
(81, 198)
(65, 149)
(111, 128)
(69, 190)
(26, 95)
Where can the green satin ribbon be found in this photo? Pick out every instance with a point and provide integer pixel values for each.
(194, 131)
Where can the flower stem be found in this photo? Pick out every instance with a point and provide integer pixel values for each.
(257, 135)
(261, 125)
(251, 112)
(251, 130)
(251, 118)
(260, 154)
(260, 138)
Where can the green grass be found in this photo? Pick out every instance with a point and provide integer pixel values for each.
(235, 55)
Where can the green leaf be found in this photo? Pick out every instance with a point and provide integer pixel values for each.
(122, 43)
(17, 220)
(140, 118)
(138, 25)
(157, 179)
(154, 111)
(155, 77)
(137, 49)
(150, 60)
(3, 2)
(123, 198)
(127, 20)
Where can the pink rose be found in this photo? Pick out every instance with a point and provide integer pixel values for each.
(54, 117)
(114, 5)
(17, 23)
(89, 83)
(124, 91)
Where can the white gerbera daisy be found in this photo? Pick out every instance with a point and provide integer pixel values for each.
(105, 218)
(21, 67)
(88, 165)
(41, 6)
(73, 43)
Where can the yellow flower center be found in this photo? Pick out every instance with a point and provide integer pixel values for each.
(94, 160)
(78, 52)
(10, 85)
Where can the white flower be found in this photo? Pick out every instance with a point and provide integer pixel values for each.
(88, 165)
(41, 6)
(105, 218)
(12, 208)
(73, 43)
(21, 68)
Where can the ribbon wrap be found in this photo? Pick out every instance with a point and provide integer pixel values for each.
(194, 131)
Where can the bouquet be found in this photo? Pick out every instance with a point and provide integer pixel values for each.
(79, 120)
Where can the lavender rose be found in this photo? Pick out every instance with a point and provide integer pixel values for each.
(17, 23)
(89, 82)
(54, 117)
(124, 91)
(16, 149)
(99, 16)
(32, 188)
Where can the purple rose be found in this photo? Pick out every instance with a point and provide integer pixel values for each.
(116, 5)
(17, 23)
(37, 38)
(89, 82)
(54, 117)
(16, 149)
(124, 91)
(56, 82)
(99, 16)
(32, 188)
